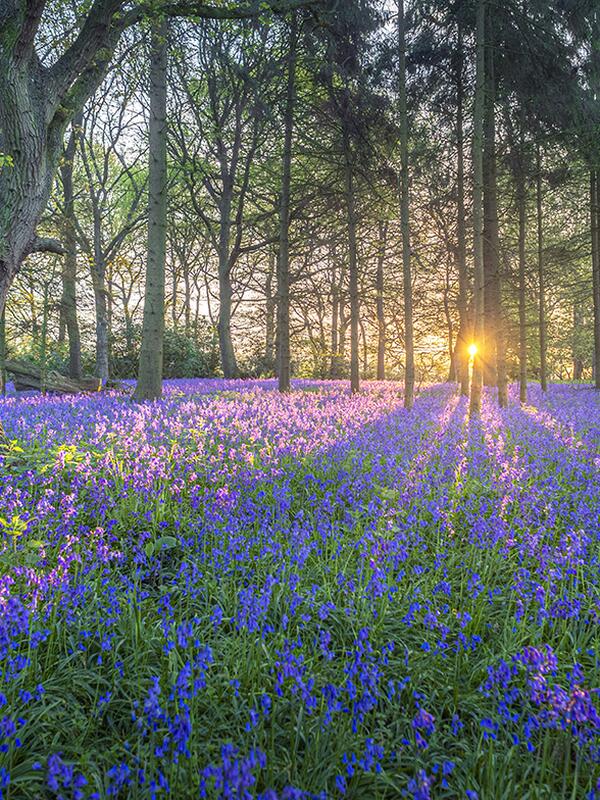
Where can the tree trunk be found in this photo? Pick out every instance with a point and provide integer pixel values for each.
(494, 345)
(270, 313)
(283, 260)
(25, 184)
(187, 310)
(44, 341)
(595, 233)
(461, 357)
(352, 264)
(521, 202)
(37, 102)
(409, 366)
(478, 112)
(335, 303)
(129, 340)
(101, 309)
(27, 376)
(2, 358)
(149, 384)
(379, 289)
(62, 328)
(342, 321)
(577, 361)
(33, 312)
(174, 297)
(69, 271)
(228, 362)
(365, 349)
(453, 370)
(541, 276)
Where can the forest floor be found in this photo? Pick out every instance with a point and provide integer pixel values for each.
(230, 593)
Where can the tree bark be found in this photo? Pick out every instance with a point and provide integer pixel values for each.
(521, 202)
(187, 308)
(380, 290)
(541, 276)
(478, 112)
(102, 328)
(409, 366)
(69, 271)
(335, 304)
(595, 234)
(25, 185)
(228, 361)
(174, 277)
(283, 260)
(270, 313)
(2, 358)
(352, 262)
(461, 356)
(494, 344)
(149, 384)
(577, 361)
(28, 376)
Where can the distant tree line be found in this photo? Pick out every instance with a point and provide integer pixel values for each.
(343, 190)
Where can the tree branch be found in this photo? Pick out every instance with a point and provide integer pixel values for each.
(81, 68)
(11, 17)
(193, 8)
(31, 22)
(92, 38)
(45, 244)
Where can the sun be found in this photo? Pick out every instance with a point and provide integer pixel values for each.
(472, 350)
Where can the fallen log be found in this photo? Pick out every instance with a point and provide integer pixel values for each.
(28, 376)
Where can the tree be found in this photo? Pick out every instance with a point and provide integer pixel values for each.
(462, 361)
(38, 101)
(69, 271)
(283, 256)
(409, 366)
(380, 292)
(494, 339)
(478, 115)
(543, 333)
(522, 212)
(149, 384)
(114, 189)
(216, 141)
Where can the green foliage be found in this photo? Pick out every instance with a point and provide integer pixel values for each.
(183, 356)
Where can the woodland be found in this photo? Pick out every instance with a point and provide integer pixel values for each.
(318, 190)
(300, 410)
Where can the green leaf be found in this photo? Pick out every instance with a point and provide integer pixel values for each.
(166, 542)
